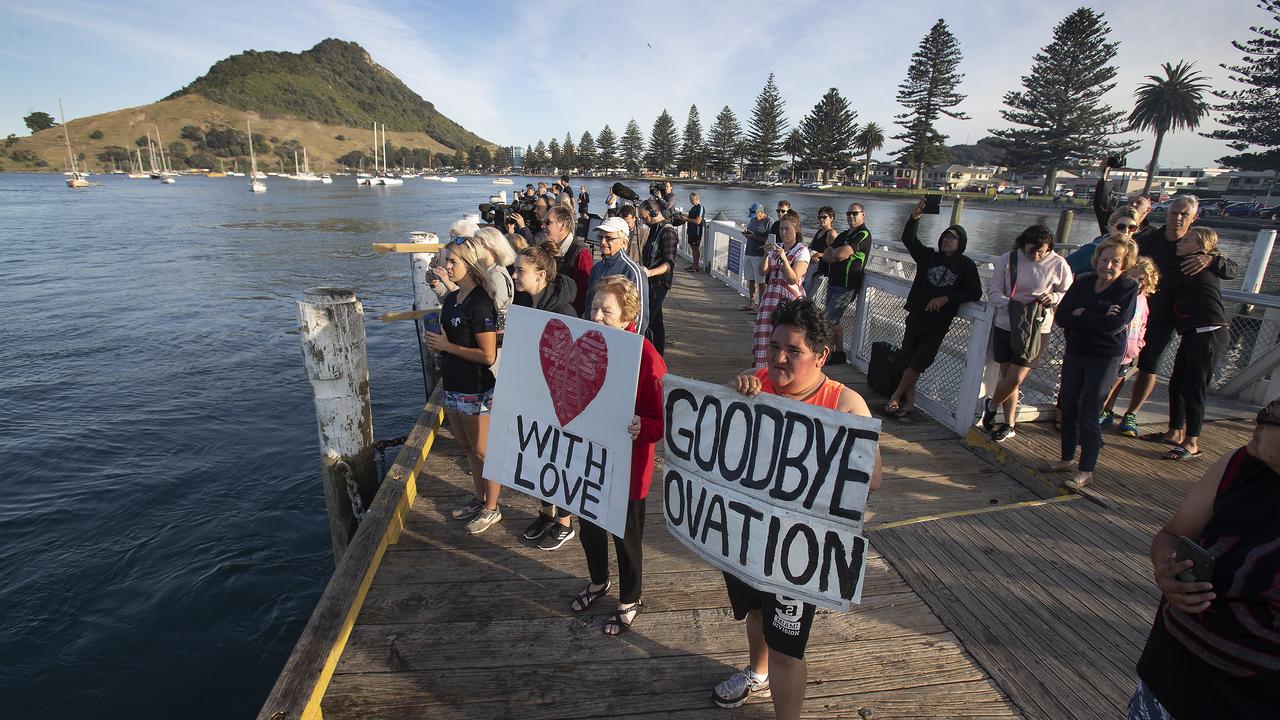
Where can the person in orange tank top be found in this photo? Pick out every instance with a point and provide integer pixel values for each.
(798, 349)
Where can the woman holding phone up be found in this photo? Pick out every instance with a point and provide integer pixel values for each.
(783, 268)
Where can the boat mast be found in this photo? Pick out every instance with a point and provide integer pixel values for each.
(375, 148)
(66, 136)
(385, 169)
(151, 154)
(253, 160)
(164, 162)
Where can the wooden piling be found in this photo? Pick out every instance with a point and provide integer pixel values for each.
(424, 298)
(957, 207)
(331, 325)
(1063, 235)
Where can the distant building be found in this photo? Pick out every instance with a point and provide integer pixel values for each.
(513, 156)
(1175, 179)
(958, 177)
(1241, 184)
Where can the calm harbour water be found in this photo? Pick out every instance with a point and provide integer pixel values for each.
(162, 529)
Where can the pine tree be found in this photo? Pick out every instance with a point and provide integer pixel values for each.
(693, 155)
(768, 128)
(828, 132)
(587, 152)
(1250, 113)
(554, 156)
(1065, 123)
(539, 156)
(459, 158)
(664, 143)
(608, 144)
(569, 152)
(723, 142)
(528, 157)
(632, 146)
(929, 92)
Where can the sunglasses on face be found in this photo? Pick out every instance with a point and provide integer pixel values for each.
(460, 239)
(852, 213)
(1122, 227)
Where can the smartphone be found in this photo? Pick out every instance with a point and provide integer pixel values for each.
(431, 322)
(932, 204)
(1202, 570)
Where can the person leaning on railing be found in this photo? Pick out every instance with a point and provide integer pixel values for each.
(945, 279)
(1213, 650)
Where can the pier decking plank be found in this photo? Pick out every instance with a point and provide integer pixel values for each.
(459, 626)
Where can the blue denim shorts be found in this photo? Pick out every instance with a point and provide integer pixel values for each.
(469, 403)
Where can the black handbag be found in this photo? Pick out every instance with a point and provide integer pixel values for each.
(884, 371)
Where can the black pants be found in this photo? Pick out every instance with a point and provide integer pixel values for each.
(1085, 385)
(657, 332)
(1189, 382)
(629, 548)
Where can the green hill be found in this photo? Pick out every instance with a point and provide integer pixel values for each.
(335, 82)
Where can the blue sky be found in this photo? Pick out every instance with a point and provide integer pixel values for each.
(517, 72)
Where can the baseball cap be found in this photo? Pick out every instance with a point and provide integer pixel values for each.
(756, 207)
(615, 225)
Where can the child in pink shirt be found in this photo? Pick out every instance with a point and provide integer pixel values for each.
(1148, 277)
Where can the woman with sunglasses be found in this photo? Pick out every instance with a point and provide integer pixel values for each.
(1123, 223)
(1213, 646)
(468, 346)
(821, 241)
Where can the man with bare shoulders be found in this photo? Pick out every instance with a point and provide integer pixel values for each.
(777, 626)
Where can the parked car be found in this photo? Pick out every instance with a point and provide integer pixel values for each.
(877, 183)
(1241, 209)
(1037, 190)
(1066, 193)
(810, 185)
(1270, 213)
(1211, 208)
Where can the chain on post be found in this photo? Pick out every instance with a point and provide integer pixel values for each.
(353, 492)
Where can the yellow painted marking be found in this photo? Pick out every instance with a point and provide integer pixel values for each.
(977, 511)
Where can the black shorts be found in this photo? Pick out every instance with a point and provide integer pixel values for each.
(921, 342)
(786, 621)
(1157, 339)
(694, 240)
(1002, 349)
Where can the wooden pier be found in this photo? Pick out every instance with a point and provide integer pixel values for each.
(989, 595)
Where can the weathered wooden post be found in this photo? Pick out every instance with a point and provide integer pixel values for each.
(331, 324)
(1064, 227)
(424, 298)
(957, 207)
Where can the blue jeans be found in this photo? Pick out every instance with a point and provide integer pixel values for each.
(1085, 384)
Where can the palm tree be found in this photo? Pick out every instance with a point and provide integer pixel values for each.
(793, 145)
(870, 139)
(1173, 102)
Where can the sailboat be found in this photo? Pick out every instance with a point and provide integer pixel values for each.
(386, 178)
(166, 173)
(306, 173)
(235, 169)
(136, 173)
(76, 180)
(255, 185)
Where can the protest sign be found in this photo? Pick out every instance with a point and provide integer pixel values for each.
(768, 489)
(564, 397)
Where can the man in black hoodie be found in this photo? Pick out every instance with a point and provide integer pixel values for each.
(945, 278)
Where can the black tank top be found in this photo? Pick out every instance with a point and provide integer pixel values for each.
(1225, 662)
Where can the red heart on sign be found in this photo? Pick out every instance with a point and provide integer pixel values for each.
(573, 369)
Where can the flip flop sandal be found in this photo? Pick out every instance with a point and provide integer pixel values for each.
(1180, 453)
(1156, 437)
(617, 620)
(585, 599)
(892, 408)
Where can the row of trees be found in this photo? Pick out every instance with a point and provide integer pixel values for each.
(1057, 119)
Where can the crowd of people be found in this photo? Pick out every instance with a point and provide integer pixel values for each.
(1118, 301)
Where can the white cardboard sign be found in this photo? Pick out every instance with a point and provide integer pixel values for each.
(564, 397)
(768, 489)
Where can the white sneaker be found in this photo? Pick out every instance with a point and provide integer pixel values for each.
(741, 685)
(483, 521)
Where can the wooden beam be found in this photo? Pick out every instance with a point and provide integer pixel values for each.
(306, 675)
(408, 247)
(405, 315)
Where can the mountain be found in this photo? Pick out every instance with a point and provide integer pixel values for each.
(982, 152)
(324, 99)
(335, 82)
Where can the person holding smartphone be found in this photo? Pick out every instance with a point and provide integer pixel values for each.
(1213, 648)
(783, 268)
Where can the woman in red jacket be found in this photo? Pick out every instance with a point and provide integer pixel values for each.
(616, 303)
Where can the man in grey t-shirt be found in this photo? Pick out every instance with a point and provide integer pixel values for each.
(756, 233)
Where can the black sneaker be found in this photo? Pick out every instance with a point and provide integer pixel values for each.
(537, 528)
(556, 536)
(1003, 432)
(988, 415)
